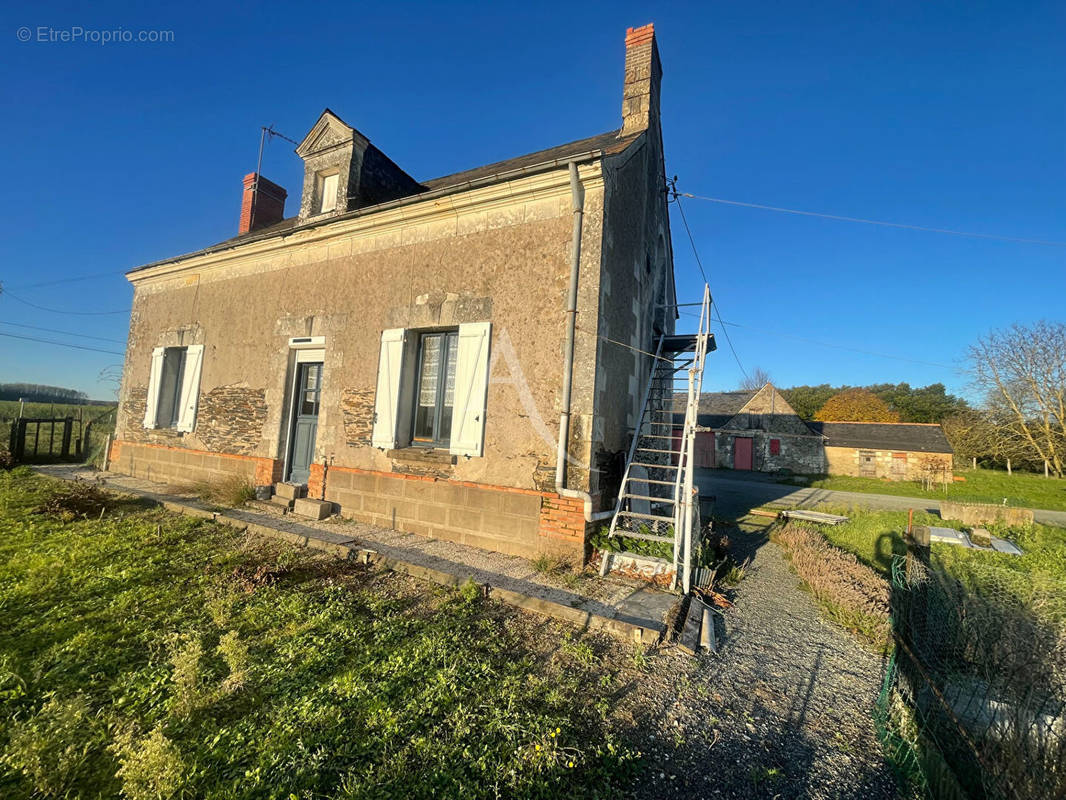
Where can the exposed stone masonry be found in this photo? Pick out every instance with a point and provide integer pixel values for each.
(357, 407)
(230, 419)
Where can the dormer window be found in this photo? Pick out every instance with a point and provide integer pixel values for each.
(326, 192)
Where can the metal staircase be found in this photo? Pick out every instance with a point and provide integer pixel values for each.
(657, 500)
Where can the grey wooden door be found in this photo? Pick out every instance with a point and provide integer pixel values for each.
(305, 422)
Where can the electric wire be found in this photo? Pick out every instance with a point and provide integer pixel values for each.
(699, 263)
(5, 293)
(782, 334)
(883, 223)
(65, 333)
(61, 344)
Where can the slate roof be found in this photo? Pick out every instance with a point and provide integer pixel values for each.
(901, 436)
(609, 143)
(716, 408)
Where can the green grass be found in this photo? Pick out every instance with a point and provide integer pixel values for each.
(153, 655)
(104, 416)
(1038, 576)
(981, 486)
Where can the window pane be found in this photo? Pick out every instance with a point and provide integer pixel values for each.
(445, 432)
(169, 406)
(311, 385)
(428, 380)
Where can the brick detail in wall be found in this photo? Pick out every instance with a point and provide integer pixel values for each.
(562, 518)
(357, 409)
(230, 419)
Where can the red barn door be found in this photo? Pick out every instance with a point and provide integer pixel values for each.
(742, 452)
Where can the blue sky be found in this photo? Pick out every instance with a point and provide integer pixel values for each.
(946, 115)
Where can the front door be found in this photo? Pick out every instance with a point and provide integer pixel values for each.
(305, 421)
(742, 452)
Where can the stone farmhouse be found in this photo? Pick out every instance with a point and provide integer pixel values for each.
(458, 357)
(758, 430)
(894, 450)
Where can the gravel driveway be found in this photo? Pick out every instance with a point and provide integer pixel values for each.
(784, 711)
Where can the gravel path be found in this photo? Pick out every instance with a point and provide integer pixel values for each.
(784, 710)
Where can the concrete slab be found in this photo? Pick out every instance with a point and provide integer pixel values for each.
(312, 509)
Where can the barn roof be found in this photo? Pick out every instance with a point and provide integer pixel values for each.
(902, 436)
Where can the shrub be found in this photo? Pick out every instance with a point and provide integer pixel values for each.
(52, 747)
(235, 653)
(851, 592)
(152, 767)
(186, 655)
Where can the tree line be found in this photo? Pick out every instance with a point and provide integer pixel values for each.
(1017, 374)
(879, 402)
(39, 393)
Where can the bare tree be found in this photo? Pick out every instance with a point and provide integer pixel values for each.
(1022, 373)
(756, 379)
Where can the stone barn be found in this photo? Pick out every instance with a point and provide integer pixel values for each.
(755, 430)
(461, 357)
(894, 450)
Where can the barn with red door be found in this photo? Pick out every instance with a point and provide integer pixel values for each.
(755, 430)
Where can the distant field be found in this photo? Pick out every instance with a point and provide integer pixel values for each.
(101, 415)
(981, 486)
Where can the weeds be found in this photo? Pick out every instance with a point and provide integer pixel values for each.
(75, 500)
(52, 747)
(328, 681)
(849, 591)
(230, 491)
(151, 768)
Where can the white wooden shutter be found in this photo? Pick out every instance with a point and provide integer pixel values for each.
(387, 400)
(471, 387)
(190, 387)
(154, 375)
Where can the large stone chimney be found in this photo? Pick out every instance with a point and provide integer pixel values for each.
(644, 73)
(262, 205)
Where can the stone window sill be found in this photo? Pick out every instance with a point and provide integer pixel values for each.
(426, 455)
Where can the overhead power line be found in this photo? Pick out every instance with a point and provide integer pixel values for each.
(5, 293)
(820, 343)
(75, 279)
(703, 272)
(883, 223)
(65, 333)
(61, 344)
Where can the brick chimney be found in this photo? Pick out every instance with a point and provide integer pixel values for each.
(262, 205)
(644, 73)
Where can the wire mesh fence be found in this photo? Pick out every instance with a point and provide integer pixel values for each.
(973, 704)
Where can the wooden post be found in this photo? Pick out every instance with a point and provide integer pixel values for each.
(975, 462)
(107, 451)
(51, 435)
(1008, 467)
(68, 429)
(1045, 468)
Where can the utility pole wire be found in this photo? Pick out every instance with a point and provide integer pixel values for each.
(5, 293)
(699, 263)
(839, 218)
(61, 344)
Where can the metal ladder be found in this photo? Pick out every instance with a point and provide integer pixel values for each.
(657, 500)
